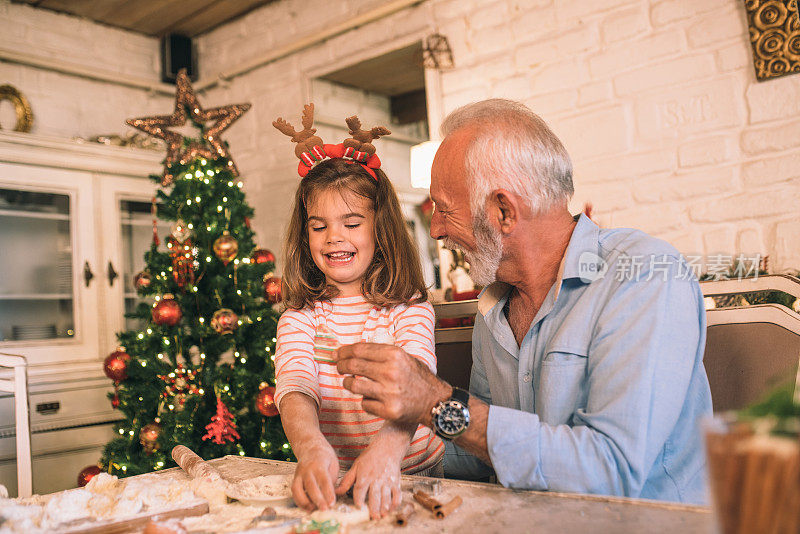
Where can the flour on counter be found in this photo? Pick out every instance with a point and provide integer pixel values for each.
(344, 514)
(104, 498)
(236, 517)
(213, 490)
(265, 486)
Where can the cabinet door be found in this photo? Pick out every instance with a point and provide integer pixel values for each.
(48, 270)
(127, 222)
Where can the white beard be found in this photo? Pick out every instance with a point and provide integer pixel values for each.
(484, 261)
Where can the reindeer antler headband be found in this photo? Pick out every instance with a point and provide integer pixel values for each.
(311, 150)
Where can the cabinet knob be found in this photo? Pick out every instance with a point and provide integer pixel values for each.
(112, 274)
(87, 273)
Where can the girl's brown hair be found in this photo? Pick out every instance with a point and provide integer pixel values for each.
(394, 276)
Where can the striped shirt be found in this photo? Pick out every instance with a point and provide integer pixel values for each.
(347, 427)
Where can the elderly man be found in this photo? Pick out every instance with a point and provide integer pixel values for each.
(588, 344)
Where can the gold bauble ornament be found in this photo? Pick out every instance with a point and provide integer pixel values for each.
(226, 247)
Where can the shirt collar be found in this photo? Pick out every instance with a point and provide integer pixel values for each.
(581, 260)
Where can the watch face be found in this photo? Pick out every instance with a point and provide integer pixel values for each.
(452, 418)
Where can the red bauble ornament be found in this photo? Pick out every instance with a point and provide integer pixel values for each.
(272, 289)
(225, 321)
(115, 401)
(148, 437)
(262, 255)
(167, 312)
(142, 280)
(226, 247)
(87, 474)
(116, 365)
(265, 401)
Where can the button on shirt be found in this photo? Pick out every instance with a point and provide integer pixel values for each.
(606, 390)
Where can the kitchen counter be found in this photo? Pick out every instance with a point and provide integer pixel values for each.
(486, 508)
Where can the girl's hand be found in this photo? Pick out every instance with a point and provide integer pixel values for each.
(375, 475)
(314, 478)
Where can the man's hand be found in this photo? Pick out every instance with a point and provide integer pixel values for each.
(375, 474)
(314, 478)
(395, 386)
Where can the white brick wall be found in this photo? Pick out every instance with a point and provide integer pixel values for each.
(280, 88)
(658, 105)
(656, 101)
(65, 105)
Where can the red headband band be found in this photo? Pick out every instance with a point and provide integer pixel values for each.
(311, 149)
(349, 154)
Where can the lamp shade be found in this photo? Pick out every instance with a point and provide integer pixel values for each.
(421, 161)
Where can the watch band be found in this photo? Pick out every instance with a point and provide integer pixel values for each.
(461, 395)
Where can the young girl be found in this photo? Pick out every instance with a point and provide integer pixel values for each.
(351, 275)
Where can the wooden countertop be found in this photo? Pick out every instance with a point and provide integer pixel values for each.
(492, 508)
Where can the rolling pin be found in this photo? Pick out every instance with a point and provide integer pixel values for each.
(195, 466)
(217, 488)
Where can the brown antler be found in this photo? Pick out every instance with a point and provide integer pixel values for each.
(361, 139)
(308, 117)
(305, 138)
(285, 128)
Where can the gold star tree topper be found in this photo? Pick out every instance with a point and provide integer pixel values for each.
(186, 101)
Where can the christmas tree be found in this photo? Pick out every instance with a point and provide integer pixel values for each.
(200, 371)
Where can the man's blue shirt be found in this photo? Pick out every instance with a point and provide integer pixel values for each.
(606, 391)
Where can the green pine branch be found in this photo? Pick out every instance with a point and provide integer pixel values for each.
(209, 200)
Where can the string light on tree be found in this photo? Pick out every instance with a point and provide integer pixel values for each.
(184, 386)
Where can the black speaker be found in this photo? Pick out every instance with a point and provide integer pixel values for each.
(177, 52)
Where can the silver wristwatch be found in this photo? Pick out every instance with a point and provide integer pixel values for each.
(450, 418)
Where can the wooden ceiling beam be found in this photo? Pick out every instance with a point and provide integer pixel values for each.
(154, 17)
(214, 15)
(132, 13)
(172, 24)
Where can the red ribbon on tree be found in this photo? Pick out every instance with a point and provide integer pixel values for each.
(154, 212)
(182, 261)
(222, 427)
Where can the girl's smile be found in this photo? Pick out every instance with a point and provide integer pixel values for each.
(341, 237)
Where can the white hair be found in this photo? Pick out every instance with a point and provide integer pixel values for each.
(513, 149)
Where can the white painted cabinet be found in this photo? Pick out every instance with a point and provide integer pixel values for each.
(74, 225)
